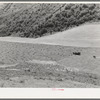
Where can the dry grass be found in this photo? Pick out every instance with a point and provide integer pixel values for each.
(52, 63)
(18, 52)
(52, 73)
(31, 82)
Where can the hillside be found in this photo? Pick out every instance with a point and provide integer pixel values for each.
(36, 20)
(87, 35)
(82, 36)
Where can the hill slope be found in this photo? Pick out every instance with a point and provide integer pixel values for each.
(36, 20)
(82, 36)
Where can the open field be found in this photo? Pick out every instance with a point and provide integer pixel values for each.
(52, 61)
(49, 63)
(87, 35)
(11, 52)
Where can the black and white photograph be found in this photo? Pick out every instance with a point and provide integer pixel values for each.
(49, 45)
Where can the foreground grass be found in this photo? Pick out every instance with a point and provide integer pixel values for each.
(57, 64)
(41, 75)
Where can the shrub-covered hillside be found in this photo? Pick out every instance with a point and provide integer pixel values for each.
(39, 19)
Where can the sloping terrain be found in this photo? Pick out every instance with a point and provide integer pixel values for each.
(87, 35)
(66, 59)
(82, 36)
(20, 19)
(23, 63)
(39, 19)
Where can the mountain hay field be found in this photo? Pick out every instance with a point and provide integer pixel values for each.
(50, 45)
(53, 59)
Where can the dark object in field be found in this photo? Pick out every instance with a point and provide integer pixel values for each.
(94, 56)
(76, 53)
(28, 70)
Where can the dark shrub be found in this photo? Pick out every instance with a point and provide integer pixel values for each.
(76, 53)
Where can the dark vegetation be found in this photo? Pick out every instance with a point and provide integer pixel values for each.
(36, 20)
(76, 53)
(94, 56)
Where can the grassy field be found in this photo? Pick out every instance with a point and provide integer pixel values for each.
(26, 61)
(49, 62)
(86, 35)
(11, 52)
